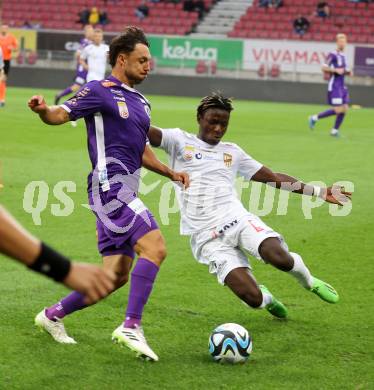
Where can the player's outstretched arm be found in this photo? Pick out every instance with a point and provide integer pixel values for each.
(151, 162)
(92, 281)
(51, 115)
(334, 194)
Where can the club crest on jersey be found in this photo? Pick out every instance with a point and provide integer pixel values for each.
(108, 84)
(227, 159)
(188, 152)
(123, 110)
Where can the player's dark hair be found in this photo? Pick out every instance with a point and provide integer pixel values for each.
(214, 100)
(126, 42)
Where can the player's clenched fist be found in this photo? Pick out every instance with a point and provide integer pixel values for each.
(37, 103)
(93, 282)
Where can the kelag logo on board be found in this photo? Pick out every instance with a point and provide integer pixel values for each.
(188, 52)
(185, 52)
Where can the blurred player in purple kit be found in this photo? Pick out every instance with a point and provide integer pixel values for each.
(81, 72)
(117, 117)
(337, 93)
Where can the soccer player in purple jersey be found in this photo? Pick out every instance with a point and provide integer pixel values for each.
(81, 72)
(337, 94)
(117, 118)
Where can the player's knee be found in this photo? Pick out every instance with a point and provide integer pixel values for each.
(157, 254)
(272, 252)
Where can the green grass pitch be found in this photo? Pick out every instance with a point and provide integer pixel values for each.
(321, 346)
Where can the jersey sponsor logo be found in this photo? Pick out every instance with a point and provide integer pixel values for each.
(123, 110)
(188, 152)
(82, 93)
(199, 156)
(108, 84)
(224, 228)
(257, 228)
(117, 92)
(227, 159)
(121, 98)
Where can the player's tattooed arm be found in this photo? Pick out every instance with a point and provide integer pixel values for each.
(51, 115)
(151, 162)
(333, 194)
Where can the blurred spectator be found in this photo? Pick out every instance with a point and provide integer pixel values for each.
(26, 24)
(323, 9)
(276, 3)
(142, 11)
(94, 16)
(194, 6)
(103, 19)
(31, 25)
(200, 8)
(83, 16)
(264, 3)
(301, 25)
(270, 3)
(188, 5)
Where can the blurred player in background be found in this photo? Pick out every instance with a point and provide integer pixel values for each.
(94, 57)
(117, 118)
(337, 92)
(2, 74)
(81, 72)
(8, 44)
(93, 282)
(222, 231)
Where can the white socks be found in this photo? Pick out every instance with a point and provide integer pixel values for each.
(266, 300)
(301, 272)
(315, 117)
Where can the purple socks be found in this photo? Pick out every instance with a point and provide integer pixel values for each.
(142, 279)
(65, 92)
(338, 121)
(71, 303)
(326, 114)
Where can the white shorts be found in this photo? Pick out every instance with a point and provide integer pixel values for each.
(227, 247)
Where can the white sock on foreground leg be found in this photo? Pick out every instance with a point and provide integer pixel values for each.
(266, 300)
(301, 272)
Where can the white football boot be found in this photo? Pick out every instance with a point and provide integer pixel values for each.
(134, 339)
(55, 328)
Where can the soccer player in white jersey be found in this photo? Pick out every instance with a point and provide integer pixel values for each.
(94, 57)
(222, 231)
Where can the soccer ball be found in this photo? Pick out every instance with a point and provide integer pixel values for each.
(230, 343)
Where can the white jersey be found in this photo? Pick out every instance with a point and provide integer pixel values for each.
(96, 58)
(211, 200)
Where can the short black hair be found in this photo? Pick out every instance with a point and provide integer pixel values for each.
(126, 42)
(214, 100)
